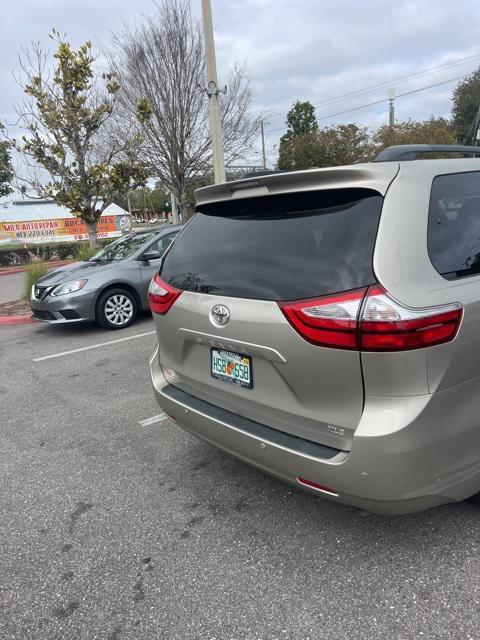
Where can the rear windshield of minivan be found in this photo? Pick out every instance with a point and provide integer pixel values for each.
(280, 247)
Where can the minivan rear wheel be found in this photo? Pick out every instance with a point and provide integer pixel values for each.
(116, 309)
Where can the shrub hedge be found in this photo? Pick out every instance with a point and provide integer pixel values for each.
(31, 275)
(10, 256)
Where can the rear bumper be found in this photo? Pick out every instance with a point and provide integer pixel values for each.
(390, 469)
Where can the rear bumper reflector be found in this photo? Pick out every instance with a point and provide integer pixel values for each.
(318, 487)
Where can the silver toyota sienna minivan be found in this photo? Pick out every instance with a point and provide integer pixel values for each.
(324, 326)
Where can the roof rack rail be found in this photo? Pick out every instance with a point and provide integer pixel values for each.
(411, 151)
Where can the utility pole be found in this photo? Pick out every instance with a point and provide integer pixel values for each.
(264, 157)
(212, 92)
(391, 107)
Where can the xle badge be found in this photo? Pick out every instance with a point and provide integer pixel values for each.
(338, 431)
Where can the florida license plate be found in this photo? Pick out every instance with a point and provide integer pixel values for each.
(231, 367)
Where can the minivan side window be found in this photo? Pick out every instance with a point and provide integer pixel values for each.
(454, 224)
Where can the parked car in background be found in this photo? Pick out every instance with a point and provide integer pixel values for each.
(110, 288)
(324, 325)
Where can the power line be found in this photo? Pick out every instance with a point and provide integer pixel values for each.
(371, 104)
(412, 76)
(400, 95)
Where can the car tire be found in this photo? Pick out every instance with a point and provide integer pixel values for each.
(116, 309)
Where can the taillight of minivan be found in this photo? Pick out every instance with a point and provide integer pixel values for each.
(161, 296)
(368, 319)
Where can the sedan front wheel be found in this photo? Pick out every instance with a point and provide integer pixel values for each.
(116, 309)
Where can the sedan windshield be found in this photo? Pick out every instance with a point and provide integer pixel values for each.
(123, 248)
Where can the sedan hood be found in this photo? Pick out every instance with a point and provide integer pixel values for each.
(74, 271)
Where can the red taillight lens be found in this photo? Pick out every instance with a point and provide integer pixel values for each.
(161, 296)
(330, 321)
(386, 325)
(371, 321)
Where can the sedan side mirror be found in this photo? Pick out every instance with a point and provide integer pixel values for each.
(151, 255)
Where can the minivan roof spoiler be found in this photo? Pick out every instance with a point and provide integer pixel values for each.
(411, 151)
(366, 176)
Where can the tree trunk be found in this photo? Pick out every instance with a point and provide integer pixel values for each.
(92, 233)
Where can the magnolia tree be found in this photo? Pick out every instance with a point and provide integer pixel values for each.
(67, 110)
(6, 171)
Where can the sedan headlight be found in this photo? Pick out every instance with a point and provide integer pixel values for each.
(69, 287)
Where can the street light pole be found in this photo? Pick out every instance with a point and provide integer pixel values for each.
(212, 92)
(391, 108)
(264, 156)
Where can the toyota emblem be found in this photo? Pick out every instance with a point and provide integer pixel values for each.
(219, 315)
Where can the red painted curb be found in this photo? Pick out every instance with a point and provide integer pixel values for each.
(23, 319)
(51, 265)
(9, 272)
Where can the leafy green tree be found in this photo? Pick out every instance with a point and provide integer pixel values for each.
(465, 104)
(301, 119)
(342, 144)
(299, 152)
(328, 147)
(431, 131)
(6, 171)
(302, 124)
(339, 145)
(85, 166)
(152, 200)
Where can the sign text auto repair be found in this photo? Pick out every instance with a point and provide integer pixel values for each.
(62, 229)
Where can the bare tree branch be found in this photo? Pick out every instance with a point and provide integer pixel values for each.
(161, 69)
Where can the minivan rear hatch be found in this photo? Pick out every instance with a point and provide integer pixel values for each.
(237, 263)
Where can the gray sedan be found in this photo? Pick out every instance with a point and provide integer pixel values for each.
(110, 288)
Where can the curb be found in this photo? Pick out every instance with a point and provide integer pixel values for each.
(51, 265)
(9, 272)
(25, 318)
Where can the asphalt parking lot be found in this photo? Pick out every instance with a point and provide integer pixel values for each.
(11, 286)
(115, 524)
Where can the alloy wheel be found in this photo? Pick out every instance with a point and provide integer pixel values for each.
(118, 309)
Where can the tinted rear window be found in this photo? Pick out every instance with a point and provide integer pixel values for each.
(284, 247)
(454, 224)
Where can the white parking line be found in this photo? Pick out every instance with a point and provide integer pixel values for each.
(148, 421)
(93, 346)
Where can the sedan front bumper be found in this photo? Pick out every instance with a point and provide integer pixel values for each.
(78, 306)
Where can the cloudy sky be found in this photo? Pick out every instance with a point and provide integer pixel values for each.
(317, 50)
